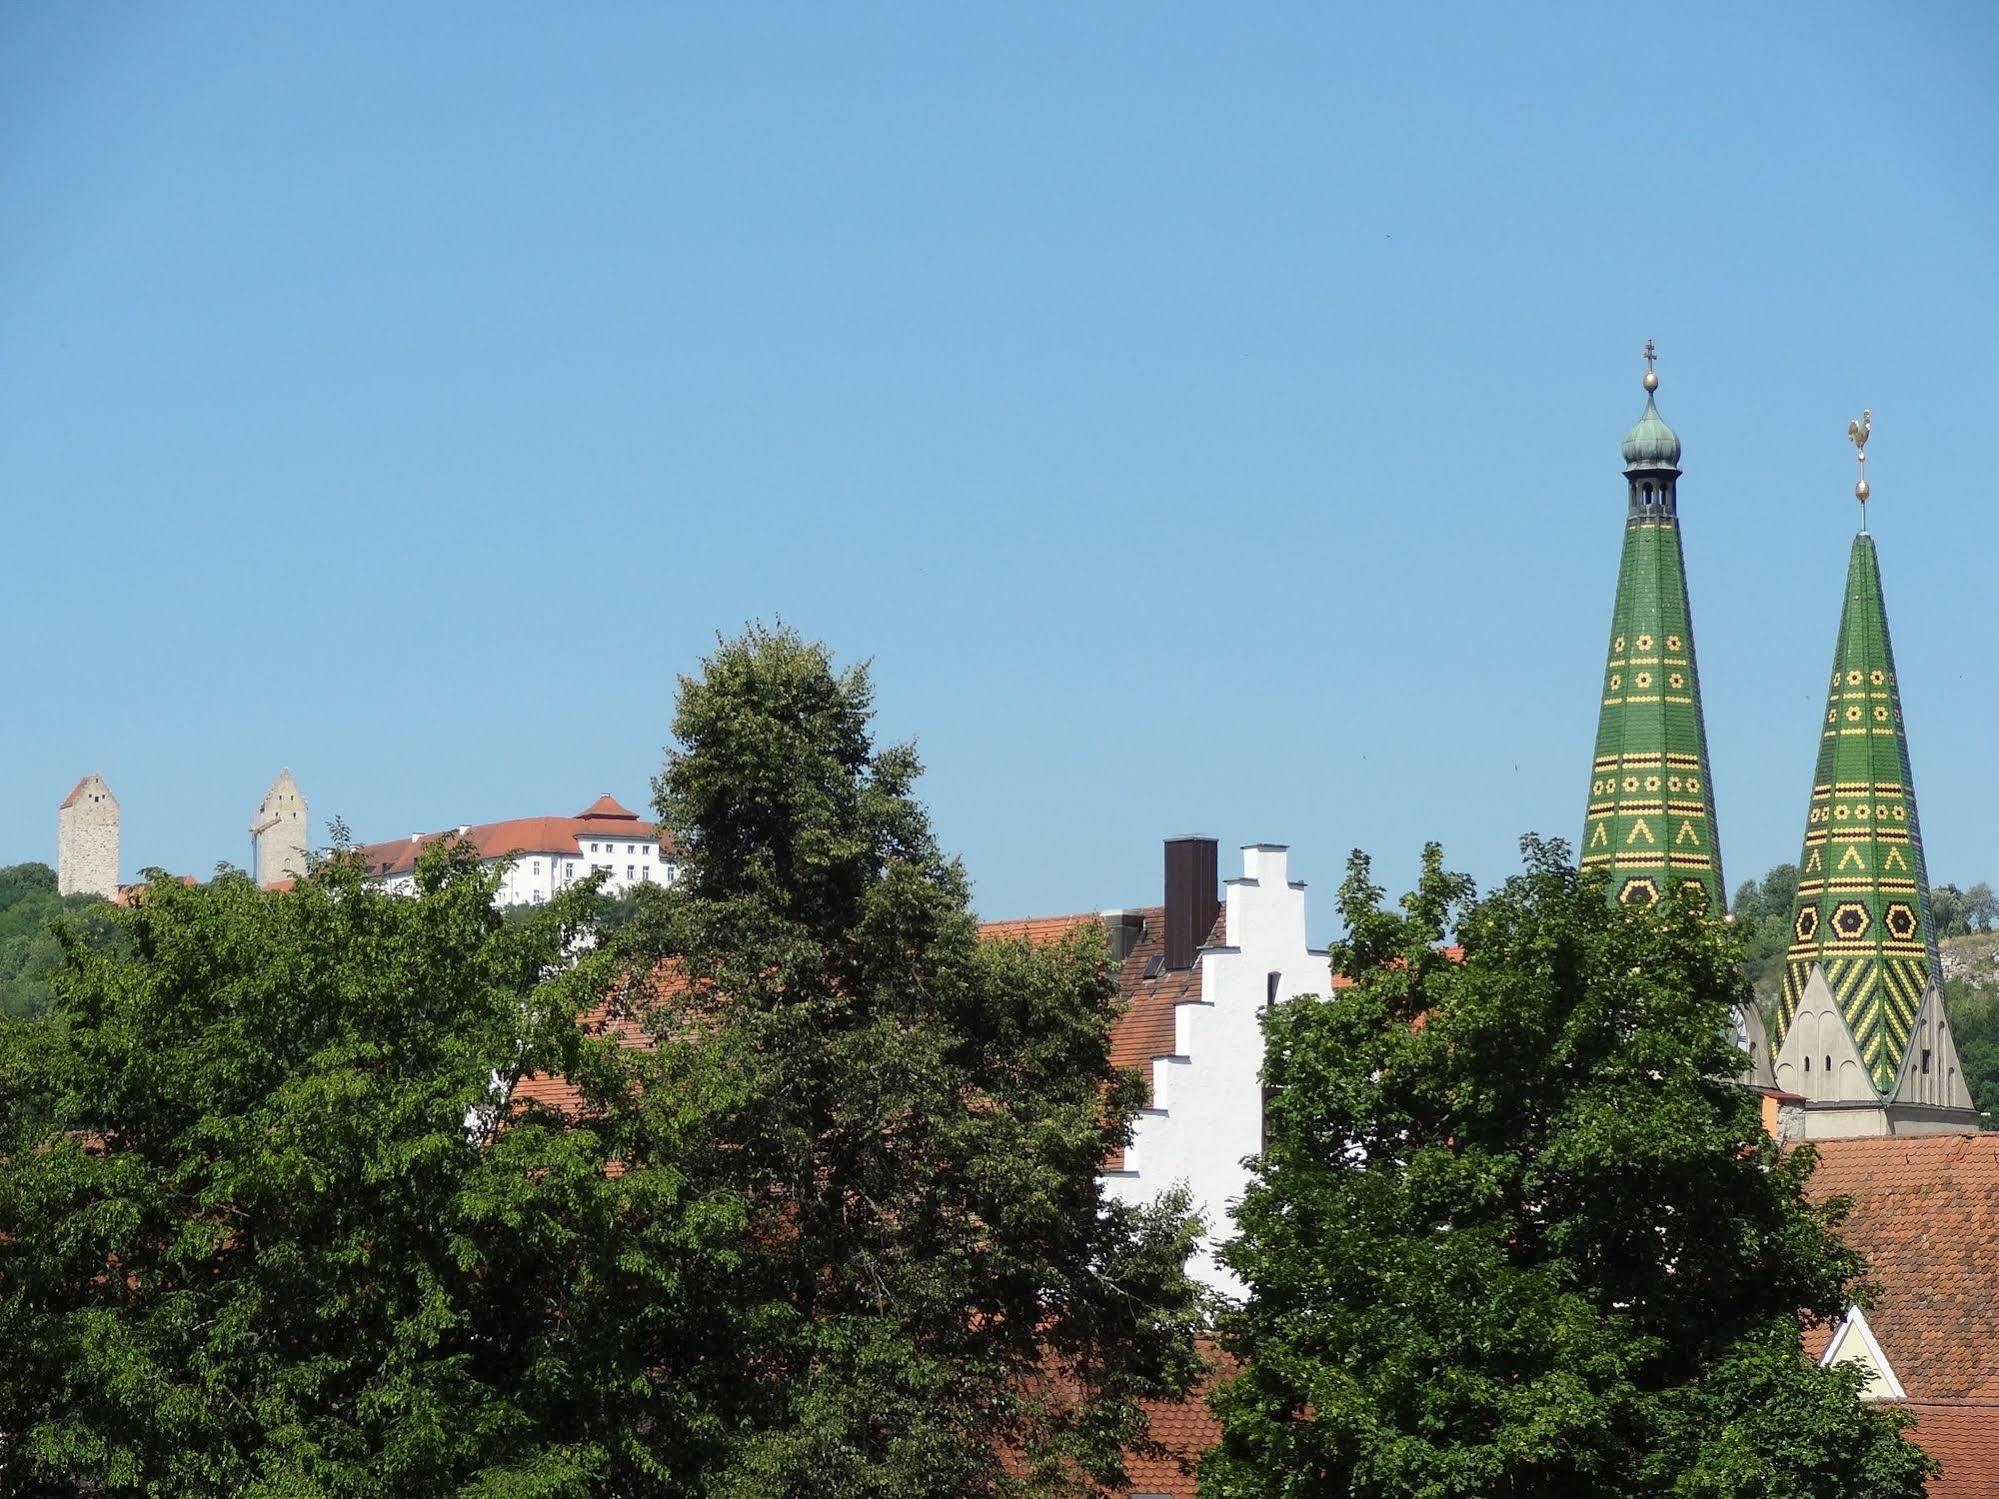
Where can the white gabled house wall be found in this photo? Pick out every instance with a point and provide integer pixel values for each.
(1853, 1343)
(1206, 1114)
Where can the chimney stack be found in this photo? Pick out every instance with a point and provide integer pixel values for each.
(1124, 928)
(1191, 903)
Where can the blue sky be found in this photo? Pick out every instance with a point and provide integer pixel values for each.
(1207, 421)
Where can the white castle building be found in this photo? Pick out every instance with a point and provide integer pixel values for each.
(547, 854)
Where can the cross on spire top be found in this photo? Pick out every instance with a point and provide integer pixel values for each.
(1651, 375)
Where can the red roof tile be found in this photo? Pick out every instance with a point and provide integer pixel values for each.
(518, 835)
(1963, 1435)
(1926, 1215)
(606, 806)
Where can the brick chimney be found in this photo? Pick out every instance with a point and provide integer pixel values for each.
(1191, 903)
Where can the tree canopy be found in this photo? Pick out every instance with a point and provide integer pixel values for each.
(29, 951)
(253, 1237)
(872, 1252)
(1514, 1232)
(821, 1214)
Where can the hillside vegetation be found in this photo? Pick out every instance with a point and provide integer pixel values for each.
(29, 952)
(1967, 922)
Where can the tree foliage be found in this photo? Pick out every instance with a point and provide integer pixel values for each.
(252, 1237)
(1513, 1233)
(29, 951)
(866, 1251)
(1762, 912)
(274, 1218)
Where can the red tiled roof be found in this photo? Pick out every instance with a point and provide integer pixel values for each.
(75, 793)
(554, 1091)
(517, 835)
(606, 806)
(1926, 1215)
(1034, 928)
(1963, 1435)
(1181, 1430)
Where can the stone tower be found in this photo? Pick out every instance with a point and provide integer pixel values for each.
(1862, 1030)
(87, 840)
(1651, 823)
(279, 830)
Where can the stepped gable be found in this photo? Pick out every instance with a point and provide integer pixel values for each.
(603, 818)
(1650, 823)
(1863, 907)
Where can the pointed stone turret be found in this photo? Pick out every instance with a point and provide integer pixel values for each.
(1651, 819)
(1862, 1032)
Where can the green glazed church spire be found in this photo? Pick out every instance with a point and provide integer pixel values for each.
(1650, 824)
(1863, 907)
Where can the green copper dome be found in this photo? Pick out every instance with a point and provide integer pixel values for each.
(1650, 443)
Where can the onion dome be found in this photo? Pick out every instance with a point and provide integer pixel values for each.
(1651, 443)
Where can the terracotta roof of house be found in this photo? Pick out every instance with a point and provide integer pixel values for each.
(612, 1018)
(606, 806)
(1145, 1029)
(1181, 1430)
(1926, 1215)
(517, 835)
(1963, 1435)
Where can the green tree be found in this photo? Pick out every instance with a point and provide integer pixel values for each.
(29, 951)
(862, 1248)
(253, 1235)
(1513, 1233)
(1762, 915)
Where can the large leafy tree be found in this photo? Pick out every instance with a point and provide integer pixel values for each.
(1514, 1233)
(255, 1235)
(861, 1246)
(29, 951)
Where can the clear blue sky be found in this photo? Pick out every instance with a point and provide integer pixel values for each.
(1206, 420)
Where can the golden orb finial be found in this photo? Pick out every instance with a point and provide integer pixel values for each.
(1651, 375)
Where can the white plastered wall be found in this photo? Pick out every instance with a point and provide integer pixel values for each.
(1207, 1097)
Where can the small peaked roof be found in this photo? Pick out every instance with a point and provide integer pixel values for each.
(77, 792)
(1819, 1060)
(1932, 1074)
(606, 806)
(1853, 1342)
(1651, 824)
(1862, 912)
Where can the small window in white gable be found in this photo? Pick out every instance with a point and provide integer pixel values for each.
(535, 868)
(593, 848)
